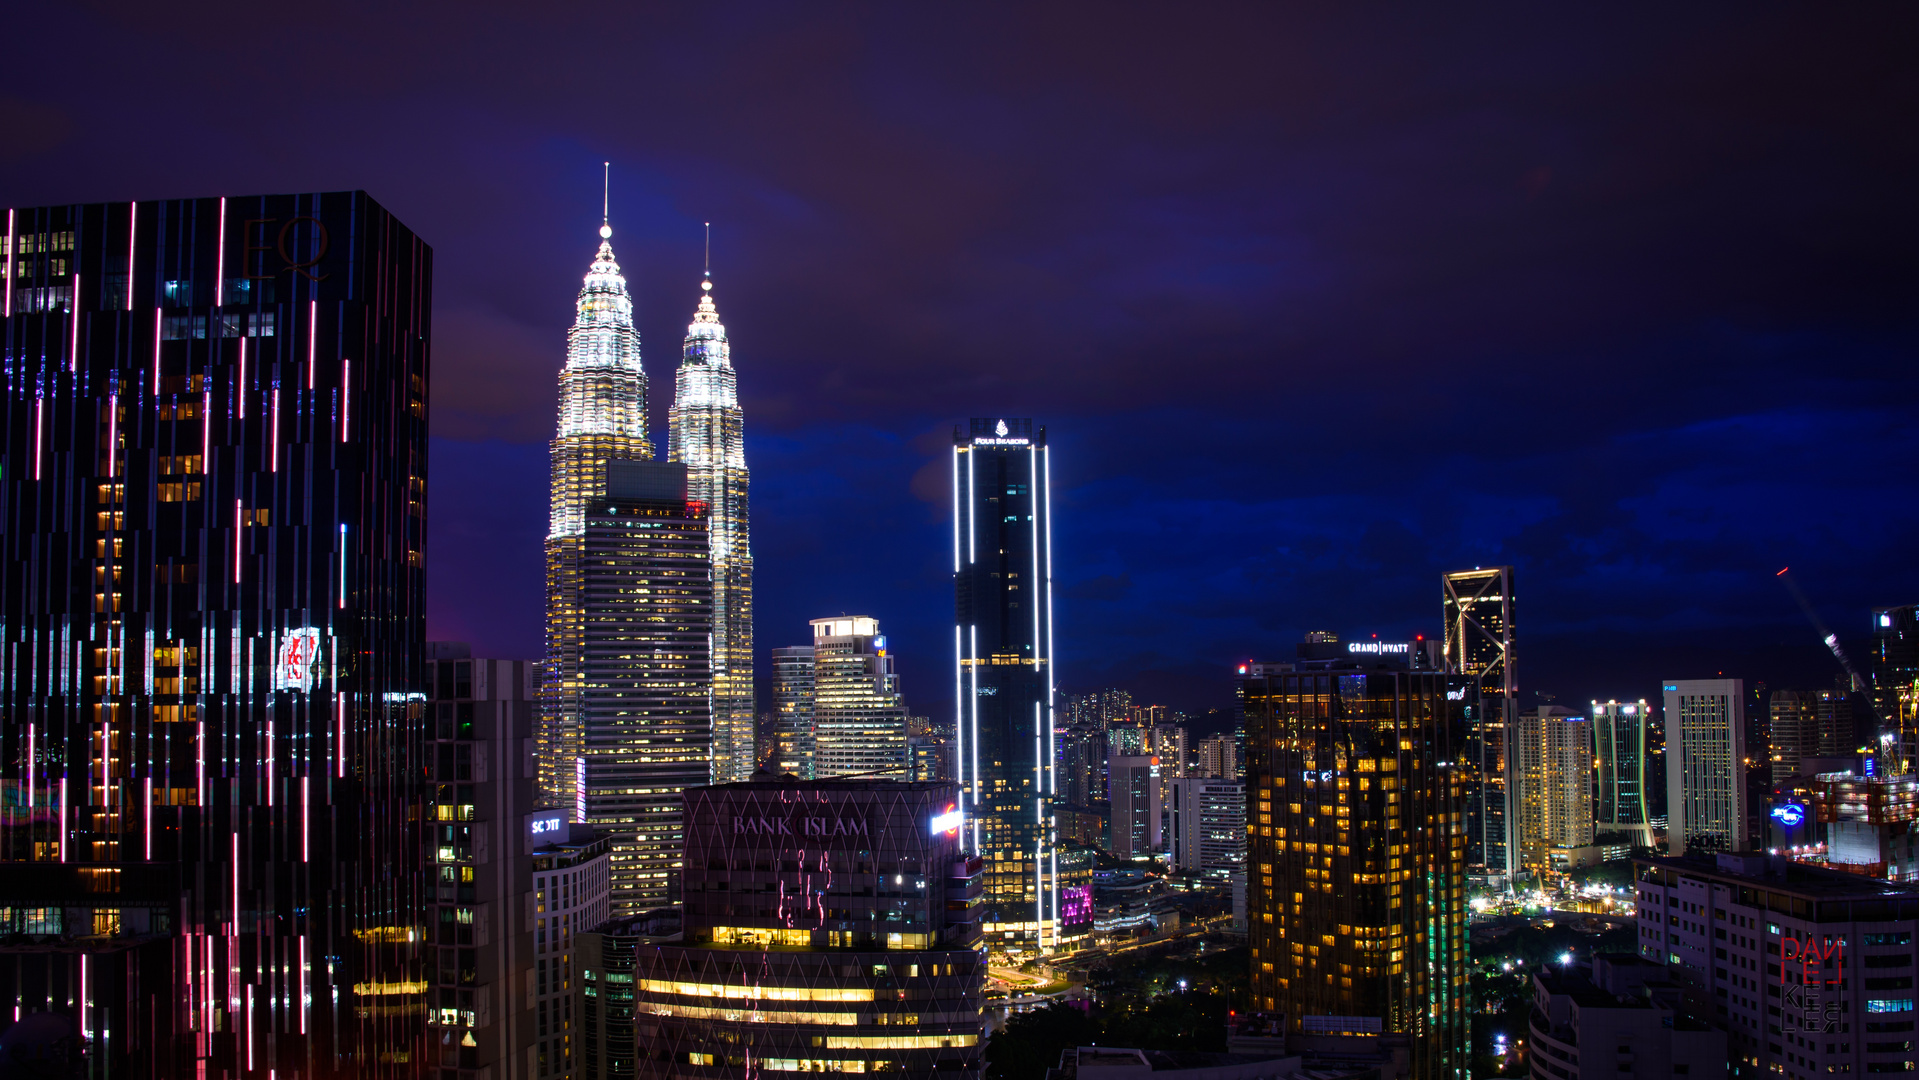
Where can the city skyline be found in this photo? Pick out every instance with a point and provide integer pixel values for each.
(1549, 230)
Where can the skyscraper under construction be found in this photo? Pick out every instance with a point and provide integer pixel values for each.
(705, 432)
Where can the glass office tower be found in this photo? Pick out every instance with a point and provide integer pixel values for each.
(213, 483)
(793, 711)
(629, 622)
(1478, 608)
(1619, 742)
(1356, 861)
(1003, 673)
(859, 720)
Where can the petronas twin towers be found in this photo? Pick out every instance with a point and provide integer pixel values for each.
(648, 682)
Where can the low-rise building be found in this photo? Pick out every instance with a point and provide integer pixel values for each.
(1624, 1019)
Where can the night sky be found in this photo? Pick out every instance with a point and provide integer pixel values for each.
(1314, 305)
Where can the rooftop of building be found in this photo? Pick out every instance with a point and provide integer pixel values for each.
(764, 778)
(1775, 873)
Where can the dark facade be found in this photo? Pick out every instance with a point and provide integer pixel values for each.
(480, 715)
(828, 926)
(212, 528)
(1003, 684)
(1356, 865)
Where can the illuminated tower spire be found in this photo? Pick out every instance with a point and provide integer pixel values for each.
(602, 392)
(705, 431)
(602, 419)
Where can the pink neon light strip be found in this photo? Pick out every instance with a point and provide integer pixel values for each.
(156, 352)
(63, 819)
(220, 258)
(346, 394)
(149, 799)
(269, 763)
(238, 533)
(73, 354)
(240, 392)
(113, 436)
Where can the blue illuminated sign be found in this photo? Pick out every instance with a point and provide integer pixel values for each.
(1789, 814)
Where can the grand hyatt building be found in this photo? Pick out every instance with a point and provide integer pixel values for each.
(828, 926)
(1356, 860)
(212, 515)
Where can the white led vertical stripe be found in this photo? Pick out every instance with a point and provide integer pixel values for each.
(972, 508)
(956, 511)
(11, 260)
(73, 354)
(220, 259)
(240, 390)
(238, 532)
(346, 394)
(156, 352)
(133, 229)
(343, 566)
(973, 710)
(313, 337)
(273, 435)
(113, 435)
(959, 710)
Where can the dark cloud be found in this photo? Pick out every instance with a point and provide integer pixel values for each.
(1314, 303)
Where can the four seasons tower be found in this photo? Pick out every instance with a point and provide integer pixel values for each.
(705, 433)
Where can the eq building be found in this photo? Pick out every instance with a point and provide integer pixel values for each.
(1003, 674)
(828, 926)
(1356, 861)
(213, 482)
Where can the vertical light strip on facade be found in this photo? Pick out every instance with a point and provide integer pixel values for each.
(133, 228)
(973, 651)
(971, 511)
(956, 511)
(313, 338)
(156, 352)
(11, 258)
(240, 389)
(113, 441)
(959, 698)
(238, 532)
(220, 259)
(73, 306)
(346, 394)
(273, 434)
(343, 566)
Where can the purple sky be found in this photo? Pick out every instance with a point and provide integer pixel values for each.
(1314, 306)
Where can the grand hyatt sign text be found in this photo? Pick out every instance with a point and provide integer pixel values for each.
(798, 826)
